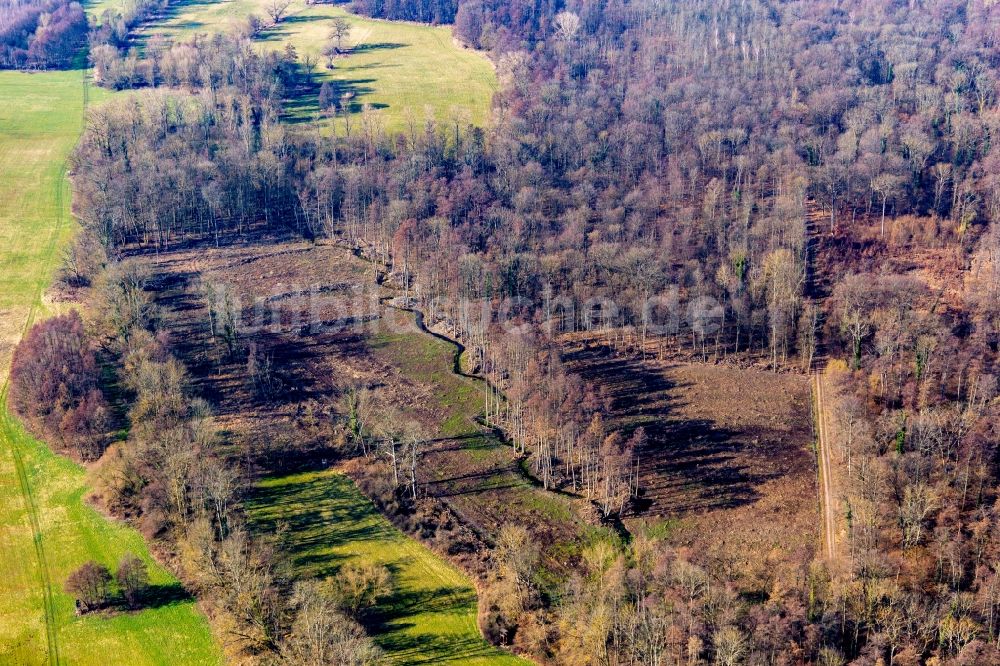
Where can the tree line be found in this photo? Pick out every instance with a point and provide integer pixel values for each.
(424, 11)
(41, 34)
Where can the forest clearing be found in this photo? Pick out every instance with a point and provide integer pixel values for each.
(430, 617)
(471, 480)
(728, 450)
(403, 71)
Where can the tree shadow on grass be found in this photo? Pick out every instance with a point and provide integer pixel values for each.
(367, 47)
(432, 648)
(292, 19)
(189, 25)
(176, 6)
(391, 624)
(320, 514)
(402, 604)
(373, 65)
(301, 104)
(158, 596)
(155, 24)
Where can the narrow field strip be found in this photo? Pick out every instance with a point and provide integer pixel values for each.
(46, 528)
(430, 618)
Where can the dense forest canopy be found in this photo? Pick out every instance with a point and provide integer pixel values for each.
(40, 33)
(425, 11)
(689, 139)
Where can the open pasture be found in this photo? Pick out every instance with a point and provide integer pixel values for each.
(405, 71)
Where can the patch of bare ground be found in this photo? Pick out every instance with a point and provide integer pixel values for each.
(729, 456)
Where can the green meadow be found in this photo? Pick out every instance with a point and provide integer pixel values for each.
(46, 528)
(40, 121)
(404, 70)
(46, 531)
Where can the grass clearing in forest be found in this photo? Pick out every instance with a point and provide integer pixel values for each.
(401, 69)
(430, 618)
(46, 528)
(429, 360)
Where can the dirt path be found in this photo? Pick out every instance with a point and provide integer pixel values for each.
(825, 472)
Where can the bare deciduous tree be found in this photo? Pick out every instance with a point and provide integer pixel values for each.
(567, 25)
(277, 9)
(340, 31)
(90, 585)
(133, 578)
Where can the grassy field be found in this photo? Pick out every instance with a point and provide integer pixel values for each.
(40, 121)
(401, 69)
(430, 617)
(37, 620)
(46, 529)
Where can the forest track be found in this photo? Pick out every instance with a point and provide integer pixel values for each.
(814, 288)
(825, 472)
(8, 432)
(817, 291)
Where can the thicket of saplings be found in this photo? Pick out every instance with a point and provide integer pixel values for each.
(648, 145)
